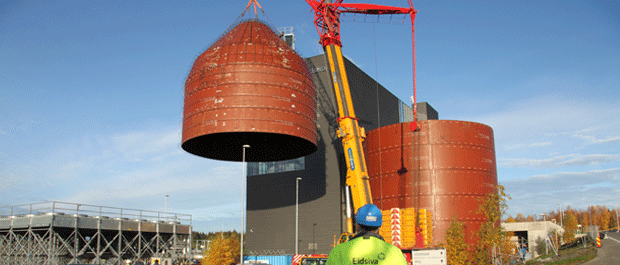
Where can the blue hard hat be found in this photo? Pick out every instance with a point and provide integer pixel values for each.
(369, 215)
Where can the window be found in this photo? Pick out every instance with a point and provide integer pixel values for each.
(405, 112)
(261, 168)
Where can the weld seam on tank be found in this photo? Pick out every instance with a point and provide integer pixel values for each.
(460, 145)
(300, 98)
(454, 144)
(266, 67)
(248, 120)
(287, 99)
(307, 120)
(254, 65)
(298, 127)
(215, 86)
(469, 170)
(210, 105)
(209, 109)
(262, 131)
(205, 111)
(231, 84)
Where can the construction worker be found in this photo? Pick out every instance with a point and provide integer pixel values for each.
(367, 246)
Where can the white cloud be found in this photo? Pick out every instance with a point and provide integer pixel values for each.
(560, 161)
(549, 115)
(522, 146)
(541, 193)
(133, 169)
(594, 140)
(138, 144)
(227, 210)
(540, 144)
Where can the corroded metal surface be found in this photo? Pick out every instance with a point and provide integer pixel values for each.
(446, 167)
(250, 88)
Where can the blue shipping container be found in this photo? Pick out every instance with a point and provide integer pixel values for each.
(273, 260)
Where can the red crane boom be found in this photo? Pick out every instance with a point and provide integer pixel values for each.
(327, 21)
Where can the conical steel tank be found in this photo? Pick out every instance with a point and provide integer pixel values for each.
(250, 88)
(446, 167)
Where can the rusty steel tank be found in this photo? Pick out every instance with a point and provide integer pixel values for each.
(250, 88)
(446, 168)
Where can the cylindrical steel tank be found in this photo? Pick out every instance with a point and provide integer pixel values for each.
(446, 167)
(250, 88)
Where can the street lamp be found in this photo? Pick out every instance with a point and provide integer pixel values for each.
(165, 205)
(243, 201)
(561, 218)
(313, 238)
(617, 224)
(297, 215)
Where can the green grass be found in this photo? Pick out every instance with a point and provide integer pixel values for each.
(575, 255)
(576, 260)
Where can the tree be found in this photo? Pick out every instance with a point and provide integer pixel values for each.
(541, 246)
(491, 235)
(520, 218)
(456, 248)
(510, 219)
(570, 226)
(223, 250)
(613, 221)
(530, 218)
(603, 217)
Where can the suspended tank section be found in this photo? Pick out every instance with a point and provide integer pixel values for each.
(446, 168)
(250, 88)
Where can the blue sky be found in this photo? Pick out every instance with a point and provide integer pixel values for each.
(91, 95)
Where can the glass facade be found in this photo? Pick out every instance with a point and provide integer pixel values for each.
(405, 112)
(260, 168)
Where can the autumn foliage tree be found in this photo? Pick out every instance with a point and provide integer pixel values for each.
(599, 215)
(223, 250)
(570, 227)
(456, 248)
(492, 238)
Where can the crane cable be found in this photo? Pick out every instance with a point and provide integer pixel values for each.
(255, 2)
(415, 99)
(374, 33)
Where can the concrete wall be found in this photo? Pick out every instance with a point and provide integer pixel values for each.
(534, 231)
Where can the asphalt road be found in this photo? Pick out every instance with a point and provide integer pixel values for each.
(609, 253)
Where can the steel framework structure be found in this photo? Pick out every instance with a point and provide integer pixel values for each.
(69, 233)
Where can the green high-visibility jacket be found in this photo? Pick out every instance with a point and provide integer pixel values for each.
(366, 248)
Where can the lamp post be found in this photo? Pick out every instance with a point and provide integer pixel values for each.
(561, 218)
(617, 224)
(297, 215)
(313, 238)
(243, 201)
(166, 205)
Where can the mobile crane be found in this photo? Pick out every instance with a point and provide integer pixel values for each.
(352, 135)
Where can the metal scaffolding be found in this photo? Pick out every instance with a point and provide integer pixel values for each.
(70, 233)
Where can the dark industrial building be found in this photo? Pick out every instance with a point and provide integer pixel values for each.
(272, 186)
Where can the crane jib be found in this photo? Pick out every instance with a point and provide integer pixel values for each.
(351, 160)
